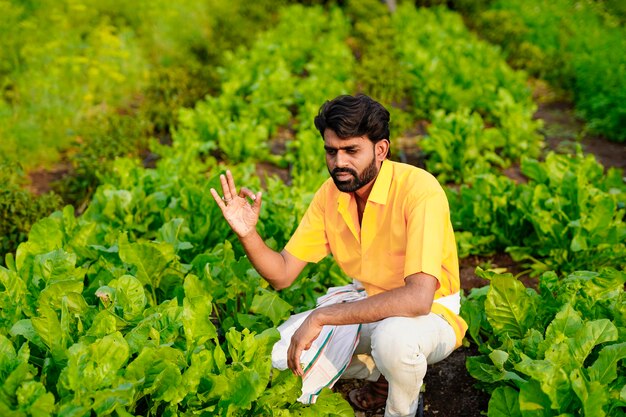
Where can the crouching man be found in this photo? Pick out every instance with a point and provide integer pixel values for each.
(388, 226)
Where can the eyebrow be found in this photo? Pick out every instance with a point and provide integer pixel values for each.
(346, 148)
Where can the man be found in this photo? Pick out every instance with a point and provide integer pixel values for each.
(388, 226)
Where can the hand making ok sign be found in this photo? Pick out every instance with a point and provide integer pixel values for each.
(241, 215)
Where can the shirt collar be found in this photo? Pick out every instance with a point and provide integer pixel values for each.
(380, 191)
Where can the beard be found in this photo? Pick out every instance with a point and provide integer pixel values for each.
(357, 181)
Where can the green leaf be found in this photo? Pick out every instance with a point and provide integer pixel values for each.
(510, 309)
(592, 394)
(8, 356)
(551, 377)
(197, 312)
(269, 304)
(57, 265)
(484, 369)
(170, 232)
(33, 398)
(130, 296)
(91, 367)
(45, 236)
(202, 365)
(591, 334)
(107, 400)
(504, 402)
(285, 388)
(604, 369)
(564, 325)
(53, 294)
(533, 402)
(149, 259)
(329, 403)
(48, 328)
(244, 387)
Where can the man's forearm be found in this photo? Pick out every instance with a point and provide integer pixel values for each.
(270, 264)
(414, 299)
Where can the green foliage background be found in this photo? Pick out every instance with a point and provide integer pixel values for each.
(139, 300)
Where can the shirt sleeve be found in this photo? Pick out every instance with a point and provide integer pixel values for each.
(309, 242)
(426, 225)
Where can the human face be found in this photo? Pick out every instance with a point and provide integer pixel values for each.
(352, 162)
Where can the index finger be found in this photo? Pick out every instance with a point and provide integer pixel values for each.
(293, 358)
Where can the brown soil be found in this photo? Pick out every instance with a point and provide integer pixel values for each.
(448, 389)
(563, 131)
(41, 179)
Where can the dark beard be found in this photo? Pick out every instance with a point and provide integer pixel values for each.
(368, 174)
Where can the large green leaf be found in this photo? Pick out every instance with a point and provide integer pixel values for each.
(504, 402)
(604, 369)
(48, 327)
(533, 402)
(149, 259)
(8, 356)
(105, 401)
(550, 376)
(329, 404)
(130, 296)
(491, 368)
(202, 365)
(510, 309)
(94, 366)
(269, 304)
(157, 371)
(45, 236)
(197, 312)
(591, 334)
(592, 394)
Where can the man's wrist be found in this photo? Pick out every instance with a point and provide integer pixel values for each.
(317, 316)
(249, 237)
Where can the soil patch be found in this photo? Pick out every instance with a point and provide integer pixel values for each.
(41, 179)
(442, 379)
(500, 262)
(563, 131)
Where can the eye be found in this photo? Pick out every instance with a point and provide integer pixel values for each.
(331, 151)
(351, 151)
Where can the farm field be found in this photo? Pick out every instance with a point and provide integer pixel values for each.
(124, 292)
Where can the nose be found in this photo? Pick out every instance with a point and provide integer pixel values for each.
(341, 161)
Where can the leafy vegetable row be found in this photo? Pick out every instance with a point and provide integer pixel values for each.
(558, 351)
(572, 44)
(569, 216)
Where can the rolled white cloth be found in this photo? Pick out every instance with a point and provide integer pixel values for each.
(330, 354)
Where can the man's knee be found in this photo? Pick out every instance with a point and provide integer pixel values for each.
(392, 349)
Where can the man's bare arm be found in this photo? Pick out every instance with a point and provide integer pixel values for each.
(279, 269)
(413, 299)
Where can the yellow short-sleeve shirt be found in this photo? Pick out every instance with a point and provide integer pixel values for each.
(405, 229)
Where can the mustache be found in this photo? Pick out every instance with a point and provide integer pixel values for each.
(348, 170)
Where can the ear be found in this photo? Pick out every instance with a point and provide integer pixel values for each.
(381, 149)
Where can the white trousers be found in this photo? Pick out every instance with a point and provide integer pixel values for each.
(401, 348)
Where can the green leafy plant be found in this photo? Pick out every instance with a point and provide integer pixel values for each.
(553, 352)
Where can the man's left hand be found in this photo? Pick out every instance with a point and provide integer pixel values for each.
(302, 340)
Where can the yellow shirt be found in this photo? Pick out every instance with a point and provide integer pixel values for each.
(405, 229)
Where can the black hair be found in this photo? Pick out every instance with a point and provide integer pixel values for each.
(353, 116)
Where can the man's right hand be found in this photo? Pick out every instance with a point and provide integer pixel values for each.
(241, 215)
